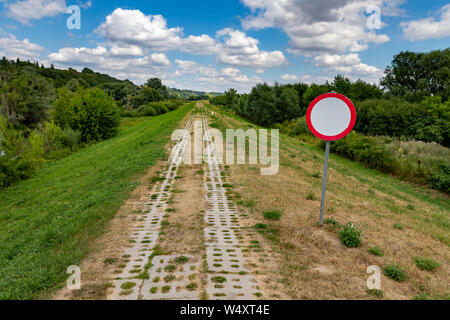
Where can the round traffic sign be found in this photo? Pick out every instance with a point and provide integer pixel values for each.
(331, 116)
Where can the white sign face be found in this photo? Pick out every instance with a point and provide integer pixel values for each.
(331, 117)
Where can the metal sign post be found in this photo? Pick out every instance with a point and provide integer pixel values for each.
(324, 184)
(330, 117)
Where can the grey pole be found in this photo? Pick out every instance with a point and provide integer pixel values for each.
(324, 184)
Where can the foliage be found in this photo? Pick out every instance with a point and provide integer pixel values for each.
(268, 105)
(191, 95)
(426, 264)
(20, 156)
(425, 121)
(414, 161)
(90, 111)
(395, 272)
(273, 214)
(350, 236)
(417, 75)
(25, 97)
(156, 84)
(152, 109)
(376, 251)
(49, 221)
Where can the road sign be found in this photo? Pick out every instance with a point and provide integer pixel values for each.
(330, 117)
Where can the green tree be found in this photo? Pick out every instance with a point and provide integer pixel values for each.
(231, 99)
(92, 112)
(156, 84)
(313, 92)
(416, 75)
(25, 97)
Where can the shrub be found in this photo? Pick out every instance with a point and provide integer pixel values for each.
(350, 236)
(376, 251)
(147, 111)
(395, 272)
(91, 111)
(18, 156)
(300, 127)
(273, 215)
(426, 264)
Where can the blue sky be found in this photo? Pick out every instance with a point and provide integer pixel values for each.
(215, 45)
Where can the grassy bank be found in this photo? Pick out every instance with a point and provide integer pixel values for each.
(406, 222)
(47, 222)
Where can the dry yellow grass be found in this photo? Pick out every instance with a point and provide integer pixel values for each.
(315, 264)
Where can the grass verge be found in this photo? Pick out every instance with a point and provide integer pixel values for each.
(48, 222)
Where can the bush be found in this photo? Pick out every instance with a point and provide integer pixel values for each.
(412, 160)
(147, 111)
(267, 105)
(426, 121)
(395, 272)
(130, 113)
(273, 215)
(426, 264)
(350, 236)
(90, 111)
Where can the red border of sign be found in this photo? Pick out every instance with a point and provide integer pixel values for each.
(337, 96)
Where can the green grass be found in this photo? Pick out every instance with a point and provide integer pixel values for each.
(395, 272)
(376, 251)
(48, 222)
(426, 264)
(273, 215)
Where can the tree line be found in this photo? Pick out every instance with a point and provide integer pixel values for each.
(412, 101)
(47, 113)
(409, 107)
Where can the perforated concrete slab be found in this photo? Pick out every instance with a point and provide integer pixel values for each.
(172, 277)
(126, 290)
(145, 236)
(228, 259)
(231, 287)
(223, 238)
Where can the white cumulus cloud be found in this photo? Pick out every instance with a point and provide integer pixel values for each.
(349, 65)
(238, 49)
(26, 10)
(429, 28)
(319, 26)
(12, 48)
